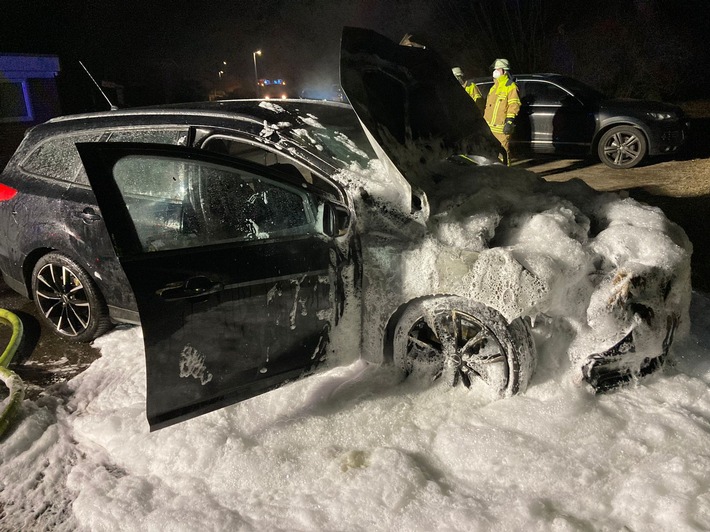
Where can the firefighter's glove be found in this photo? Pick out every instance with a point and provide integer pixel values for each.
(508, 127)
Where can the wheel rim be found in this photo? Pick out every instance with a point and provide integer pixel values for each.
(622, 148)
(457, 347)
(63, 300)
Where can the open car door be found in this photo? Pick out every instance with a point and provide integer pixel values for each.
(234, 268)
(411, 104)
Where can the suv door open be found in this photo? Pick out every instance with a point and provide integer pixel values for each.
(235, 270)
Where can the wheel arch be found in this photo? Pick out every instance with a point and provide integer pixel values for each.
(28, 266)
(36, 254)
(516, 338)
(621, 122)
(93, 321)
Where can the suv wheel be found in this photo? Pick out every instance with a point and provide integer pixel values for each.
(622, 147)
(68, 300)
(462, 340)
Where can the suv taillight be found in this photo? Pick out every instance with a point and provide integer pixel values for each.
(6, 192)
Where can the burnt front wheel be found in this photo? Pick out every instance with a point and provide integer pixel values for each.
(67, 299)
(464, 341)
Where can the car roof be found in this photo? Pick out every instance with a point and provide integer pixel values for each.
(289, 117)
(258, 110)
(541, 77)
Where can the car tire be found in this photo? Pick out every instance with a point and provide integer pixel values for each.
(464, 341)
(67, 300)
(622, 147)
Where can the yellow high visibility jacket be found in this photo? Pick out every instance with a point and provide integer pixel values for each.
(474, 93)
(503, 102)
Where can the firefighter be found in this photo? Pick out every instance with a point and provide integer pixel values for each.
(502, 104)
(471, 88)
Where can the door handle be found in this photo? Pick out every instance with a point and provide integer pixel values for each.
(194, 287)
(88, 215)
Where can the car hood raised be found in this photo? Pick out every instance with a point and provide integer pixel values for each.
(414, 110)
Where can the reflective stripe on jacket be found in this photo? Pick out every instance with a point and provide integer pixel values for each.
(474, 93)
(503, 102)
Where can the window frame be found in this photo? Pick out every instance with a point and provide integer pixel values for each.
(24, 89)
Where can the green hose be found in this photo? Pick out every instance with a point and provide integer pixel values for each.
(11, 380)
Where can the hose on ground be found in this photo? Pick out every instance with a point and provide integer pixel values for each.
(11, 380)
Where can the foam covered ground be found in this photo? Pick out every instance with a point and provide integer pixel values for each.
(353, 449)
(356, 449)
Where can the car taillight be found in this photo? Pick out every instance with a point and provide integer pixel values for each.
(6, 192)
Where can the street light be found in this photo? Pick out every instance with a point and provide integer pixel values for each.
(256, 74)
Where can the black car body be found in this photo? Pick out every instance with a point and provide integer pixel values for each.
(258, 239)
(56, 210)
(562, 116)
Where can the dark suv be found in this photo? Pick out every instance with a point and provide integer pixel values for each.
(563, 116)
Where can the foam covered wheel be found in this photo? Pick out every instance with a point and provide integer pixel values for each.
(464, 341)
(67, 299)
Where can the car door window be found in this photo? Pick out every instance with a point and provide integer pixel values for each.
(484, 87)
(152, 135)
(57, 157)
(181, 203)
(542, 93)
(236, 147)
(256, 154)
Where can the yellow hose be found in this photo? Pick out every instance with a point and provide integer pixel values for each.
(11, 380)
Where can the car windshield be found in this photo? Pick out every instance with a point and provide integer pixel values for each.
(333, 133)
(329, 131)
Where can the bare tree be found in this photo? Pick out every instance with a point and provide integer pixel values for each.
(487, 29)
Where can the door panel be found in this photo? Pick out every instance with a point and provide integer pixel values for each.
(233, 275)
(557, 122)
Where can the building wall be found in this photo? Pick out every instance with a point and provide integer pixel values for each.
(38, 74)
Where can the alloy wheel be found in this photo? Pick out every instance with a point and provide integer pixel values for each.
(63, 300)
(622, 147)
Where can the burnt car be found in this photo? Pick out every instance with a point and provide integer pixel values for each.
(255, 241)
(560, 115)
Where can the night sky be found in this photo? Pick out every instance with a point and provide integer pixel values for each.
(177, 48)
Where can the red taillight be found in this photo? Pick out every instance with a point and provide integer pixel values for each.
(6, 192)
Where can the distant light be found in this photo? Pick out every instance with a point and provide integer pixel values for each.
(284, 96)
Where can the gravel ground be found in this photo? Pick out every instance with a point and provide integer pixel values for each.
(679, 185)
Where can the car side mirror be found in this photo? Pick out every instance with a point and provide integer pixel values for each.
(336, 219)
